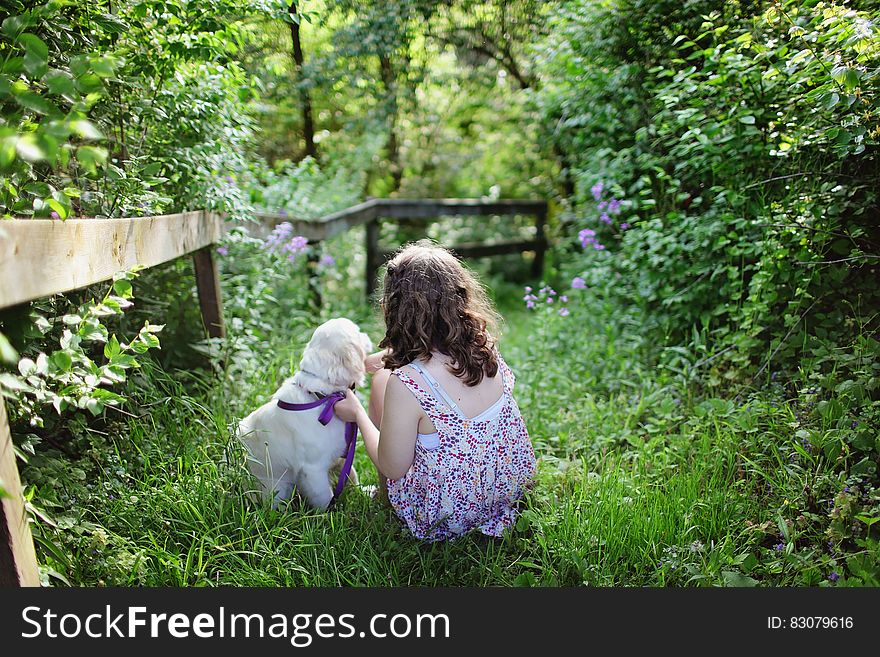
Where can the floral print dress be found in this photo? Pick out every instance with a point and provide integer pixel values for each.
(471, 472)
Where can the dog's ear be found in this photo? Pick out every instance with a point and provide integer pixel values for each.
(346, 364)
(367, 343)
(336, 354)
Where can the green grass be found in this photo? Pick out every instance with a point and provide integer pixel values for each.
(639, 483)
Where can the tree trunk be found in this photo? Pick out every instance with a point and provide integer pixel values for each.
(568, 185)
(393, 143)
(305, 99)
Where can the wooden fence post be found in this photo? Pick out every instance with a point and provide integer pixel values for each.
(208, 286)
(540, 242)
(373, 256)
(18, 560)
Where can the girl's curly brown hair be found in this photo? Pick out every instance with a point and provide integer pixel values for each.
(431, 302)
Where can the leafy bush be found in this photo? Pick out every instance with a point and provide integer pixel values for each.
(746, 148)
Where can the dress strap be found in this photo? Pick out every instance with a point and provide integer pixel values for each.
(435, 387)
(427, 401)
(508, 378)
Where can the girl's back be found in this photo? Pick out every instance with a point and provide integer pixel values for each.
(473, 457)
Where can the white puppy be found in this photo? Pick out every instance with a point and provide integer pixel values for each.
(292, 450)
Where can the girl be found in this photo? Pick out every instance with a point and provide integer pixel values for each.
(451, 441)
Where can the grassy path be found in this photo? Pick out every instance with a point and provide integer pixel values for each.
(630, 492)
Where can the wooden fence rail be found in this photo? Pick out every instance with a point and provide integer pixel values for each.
(42, 257)
(375, 210)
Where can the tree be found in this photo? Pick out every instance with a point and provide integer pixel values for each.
(304, 96)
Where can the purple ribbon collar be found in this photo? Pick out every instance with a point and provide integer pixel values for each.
(324, 418)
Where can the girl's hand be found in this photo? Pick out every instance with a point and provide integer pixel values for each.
(348, 409)
(373, 362)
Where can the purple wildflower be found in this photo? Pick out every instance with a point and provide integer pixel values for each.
(598, 246)
(779, 547)
(228, 179)
(279, 235)
(327, 260)
(587, 236)
(563, 299)
(596, 190)
(222, 250)
(530, 304)
(614, 206)
(624, 226)
(578, 283)
(528, 288)
(54, 215)
(602, 206)
(605, 219)
(563, 312)
(549, 299)
(295, 246)
(834, 576)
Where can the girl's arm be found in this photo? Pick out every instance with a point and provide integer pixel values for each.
(399, 430)
(391, 449)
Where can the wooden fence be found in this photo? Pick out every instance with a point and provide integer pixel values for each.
(372, 212)
(42, 257)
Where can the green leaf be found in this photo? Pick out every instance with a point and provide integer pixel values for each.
(868, 520)
(61, 360)
(124, 361)
(123, 288)
(103, 67)
(7, 150)
(60, 83)
(62, 210)
(150, 340)
(864, 467)
(36, 59)
(35, 102)
(112, 348)
(748, 120)
(8, 354)
(151, 169)
(13, 66)
(88, 83)
(28, 149)
(90, 157)
(94, 406)
(86, 129)
(783, 527)
(525, 580)
(736, 579)
(11, 382)
(110, 23)
(12, 25)
(851, 79)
